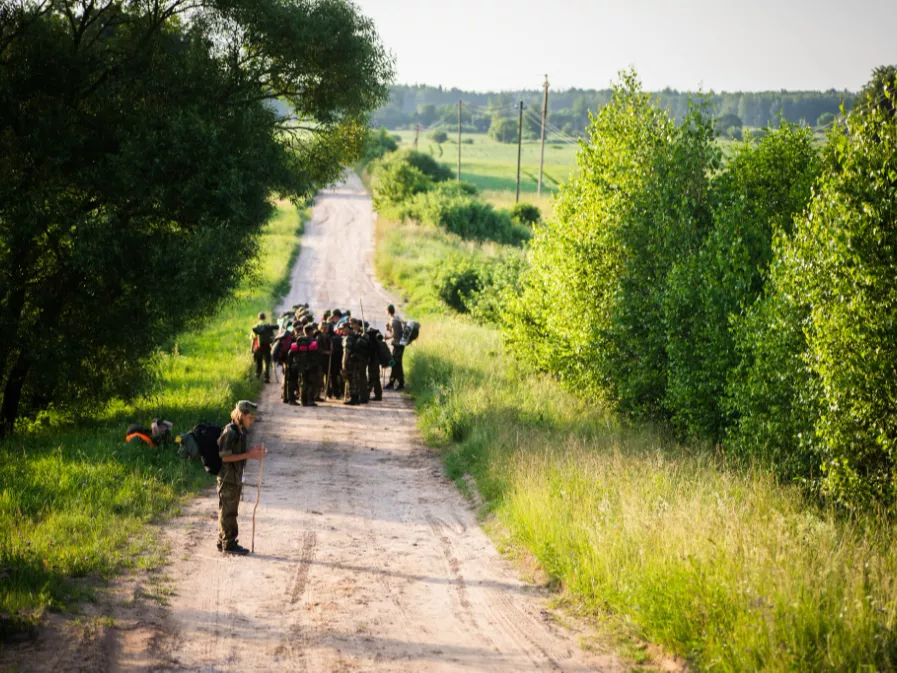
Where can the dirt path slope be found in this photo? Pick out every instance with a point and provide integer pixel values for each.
(367, 559)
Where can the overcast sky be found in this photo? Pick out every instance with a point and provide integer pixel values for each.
(721, 45)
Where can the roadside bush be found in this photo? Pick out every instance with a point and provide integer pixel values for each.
(458, 213)
(439, 137)
(459, 279)
(577, 261)
(526, 213)
(394, 181)
(834, 289)
(378, 143)
(756, 197)
(500, 280)
(426, 164)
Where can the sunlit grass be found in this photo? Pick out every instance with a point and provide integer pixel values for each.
(75, 501)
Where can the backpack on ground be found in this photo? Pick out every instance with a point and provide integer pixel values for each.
(206, 435)
(410, 333)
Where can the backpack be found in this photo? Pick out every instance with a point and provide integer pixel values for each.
(265, 334)
(410, 333)
(206, 435)
(363, 347)
(383, 353)
(282, 347)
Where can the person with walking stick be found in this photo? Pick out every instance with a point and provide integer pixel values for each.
(232, 447)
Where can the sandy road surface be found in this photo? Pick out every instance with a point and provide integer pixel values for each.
(367, 559)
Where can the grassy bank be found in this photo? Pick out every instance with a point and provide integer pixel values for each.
(726, 568)
(75, 501)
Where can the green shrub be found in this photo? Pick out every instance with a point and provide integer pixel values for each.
(426, 164)
(526, 213)
(459, 279)
(575, 263)
(756, 197)
(636, 206)
(394, 181)
(834, 288)
(500, 285)
(439, 137)
(468, 217)
(378, 143)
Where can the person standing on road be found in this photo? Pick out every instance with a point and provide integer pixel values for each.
(394, 329)
(234, 454)
(262, 338)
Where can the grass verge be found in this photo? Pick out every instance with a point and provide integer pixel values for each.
(726, 568)
(75, 501)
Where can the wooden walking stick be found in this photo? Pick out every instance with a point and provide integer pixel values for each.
(258, 495)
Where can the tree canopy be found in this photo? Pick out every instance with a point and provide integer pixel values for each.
(140, 144)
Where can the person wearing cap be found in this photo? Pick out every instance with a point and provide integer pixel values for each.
(232, 447)
(262, 338)
(394, 329)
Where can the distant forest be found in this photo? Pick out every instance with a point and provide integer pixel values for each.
(568, 111)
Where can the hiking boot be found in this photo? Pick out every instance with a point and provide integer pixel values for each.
(235, 549)
(352, 400)
(399, 387)
(379, 398)
(218, 544)
(388, 386)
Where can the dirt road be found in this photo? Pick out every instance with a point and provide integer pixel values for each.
(367, 559)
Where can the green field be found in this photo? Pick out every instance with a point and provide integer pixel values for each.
(492, 166)
(75, 501)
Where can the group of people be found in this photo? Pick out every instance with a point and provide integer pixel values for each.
(340, 357)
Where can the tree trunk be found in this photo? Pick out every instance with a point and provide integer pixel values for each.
(12, 394)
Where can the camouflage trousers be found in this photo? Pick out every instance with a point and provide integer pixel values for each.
(228, 504)
(374, 385)
(309, 387)
(358, 381)
(262, 356)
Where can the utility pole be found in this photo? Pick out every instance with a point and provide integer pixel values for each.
(519, 151)
(416, 134)
(544, 115)
(459, 140)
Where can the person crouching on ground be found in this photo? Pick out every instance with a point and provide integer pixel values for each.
(234, 454)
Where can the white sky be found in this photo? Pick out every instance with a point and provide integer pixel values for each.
(718, 44)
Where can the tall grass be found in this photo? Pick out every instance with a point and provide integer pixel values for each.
(75, 501)
(727, 568)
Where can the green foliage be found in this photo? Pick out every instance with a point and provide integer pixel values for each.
(137, 166)
(879, 91)
(526, 213)
(834, 288)
(503, 129)
(439, 137)
(378, 143)
(569, 110)
(394, 180)
(426, 164)
(75, 500)
(460, 278)
(500, 278)
(825, 119)
(764, 185)
(466, 216)
(729, 125)
(410, 185)
(637, 205)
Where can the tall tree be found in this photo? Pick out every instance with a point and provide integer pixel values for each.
(139, 149)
